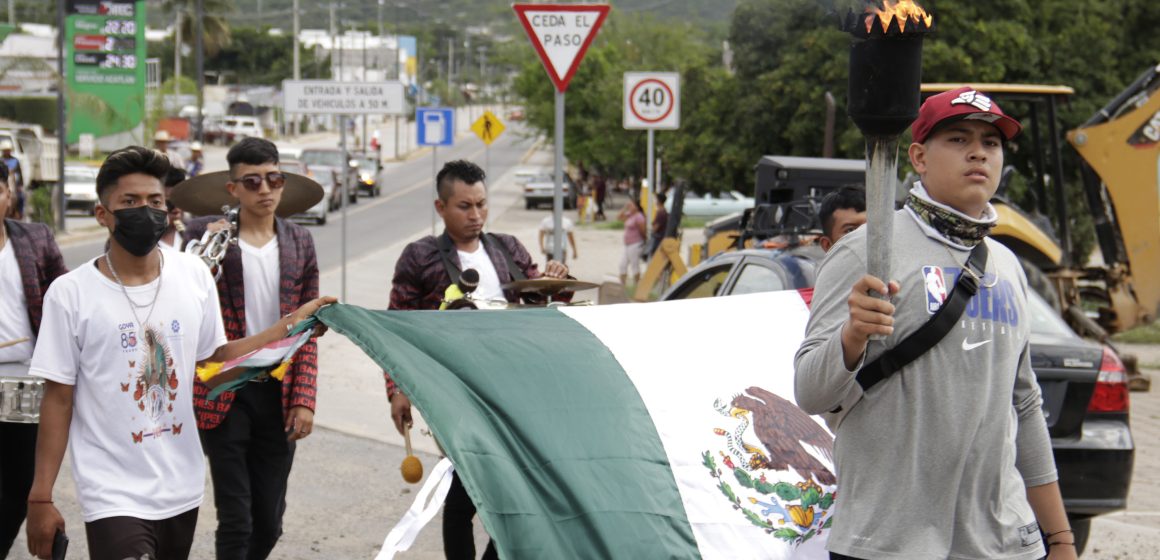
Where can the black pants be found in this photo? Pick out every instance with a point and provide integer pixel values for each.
(17, 464)
(117, 538)
(249, 462)
(458, 533)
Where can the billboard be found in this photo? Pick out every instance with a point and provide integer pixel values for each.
(105, 66)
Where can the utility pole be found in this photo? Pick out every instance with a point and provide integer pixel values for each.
(12, 12)
(62, 124)
(297, 65)
(176, 54)
(450, 65)
(381, 18)
(200, 48)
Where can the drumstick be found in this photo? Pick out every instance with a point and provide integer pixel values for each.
(407, 440)
(14, 342)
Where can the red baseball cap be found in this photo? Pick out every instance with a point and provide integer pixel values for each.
(961, 104)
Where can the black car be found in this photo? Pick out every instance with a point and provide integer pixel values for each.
(1084, 384)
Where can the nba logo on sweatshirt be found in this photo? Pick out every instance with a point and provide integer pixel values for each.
(936, 287)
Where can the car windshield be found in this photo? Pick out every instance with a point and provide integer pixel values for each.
(333, 159)
(1044, 319)
(365, 164)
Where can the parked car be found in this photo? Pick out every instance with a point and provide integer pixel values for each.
(368, 171)
(1084, 384)
(238, 127)
(713, 205)
(541, 190)
(515, 115)
(331, 198)
(289, 153)
(333, 158)
(80, 188)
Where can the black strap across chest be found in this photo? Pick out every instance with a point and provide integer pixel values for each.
(446, 246)
(935, 329)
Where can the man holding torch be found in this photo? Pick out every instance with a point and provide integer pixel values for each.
(945, 452)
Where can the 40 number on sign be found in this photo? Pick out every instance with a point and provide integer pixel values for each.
(652, 100)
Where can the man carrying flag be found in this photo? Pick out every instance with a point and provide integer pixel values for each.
(118, 345)
(249, 433)
(428, 267)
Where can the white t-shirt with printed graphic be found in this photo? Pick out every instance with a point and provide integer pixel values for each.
(133, 438)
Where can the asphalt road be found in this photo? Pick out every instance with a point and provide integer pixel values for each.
(400, 212)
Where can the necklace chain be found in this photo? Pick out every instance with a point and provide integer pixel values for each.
(132, 304)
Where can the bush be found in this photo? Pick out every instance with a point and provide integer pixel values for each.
(39, 206)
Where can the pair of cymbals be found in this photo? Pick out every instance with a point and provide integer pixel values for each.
(549, 286)
(205, 194)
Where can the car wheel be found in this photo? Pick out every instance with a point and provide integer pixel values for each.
(322, 220)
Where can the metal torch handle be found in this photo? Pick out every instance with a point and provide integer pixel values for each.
(881, 180)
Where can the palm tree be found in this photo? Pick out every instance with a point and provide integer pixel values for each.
(215, 26)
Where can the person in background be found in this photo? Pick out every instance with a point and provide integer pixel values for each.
(660, 222)
(841, 212)
(29, 262)
(196, 160)
(162, 141)
(634, 236)
(173, 238)
(547, 233)
(15, 180)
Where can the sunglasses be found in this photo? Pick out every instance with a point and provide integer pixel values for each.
(253, 181)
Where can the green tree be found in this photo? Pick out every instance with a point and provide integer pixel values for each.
(214, 24)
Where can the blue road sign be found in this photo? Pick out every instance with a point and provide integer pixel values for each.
(436, 126)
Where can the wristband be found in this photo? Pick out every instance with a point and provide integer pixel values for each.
(1051, 544)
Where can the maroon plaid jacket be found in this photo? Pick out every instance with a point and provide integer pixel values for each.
(39, 261)
(298, 285)
(421, 279)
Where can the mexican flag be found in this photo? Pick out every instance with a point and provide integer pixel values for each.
(660, 430)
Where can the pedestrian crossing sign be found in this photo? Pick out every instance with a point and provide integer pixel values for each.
(488, 127)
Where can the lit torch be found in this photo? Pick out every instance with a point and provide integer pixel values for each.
(885, 76)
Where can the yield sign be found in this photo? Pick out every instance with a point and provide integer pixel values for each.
(561, 34)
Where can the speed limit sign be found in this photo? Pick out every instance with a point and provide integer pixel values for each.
(652, 100)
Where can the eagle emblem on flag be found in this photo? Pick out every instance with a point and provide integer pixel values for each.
(776, 466)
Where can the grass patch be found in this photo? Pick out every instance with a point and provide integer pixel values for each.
(693, 223)
(606, 225)
(1144, 334)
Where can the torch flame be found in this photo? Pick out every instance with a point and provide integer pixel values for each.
(903, 10)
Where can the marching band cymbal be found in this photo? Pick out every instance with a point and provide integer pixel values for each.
(549, 285)
(205, 194)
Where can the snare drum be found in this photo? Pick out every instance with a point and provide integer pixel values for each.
(20, 399)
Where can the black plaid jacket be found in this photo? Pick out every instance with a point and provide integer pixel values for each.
(39, 261)
(298, 285)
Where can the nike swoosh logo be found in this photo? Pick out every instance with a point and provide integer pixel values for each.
(968, 346)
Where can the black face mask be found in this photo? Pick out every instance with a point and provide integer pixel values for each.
(139, 229)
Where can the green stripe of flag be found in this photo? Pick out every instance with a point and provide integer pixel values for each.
(545, 429)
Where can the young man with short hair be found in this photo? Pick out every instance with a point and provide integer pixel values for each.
(954, 445)
(118, 346)
(422, 276)
(29, 262)
(249, 435)
(841, 212)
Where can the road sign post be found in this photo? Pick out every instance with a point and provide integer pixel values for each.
(652, 101)
(327, 97)
(561, 34)
(488, 127)
(436, 127)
